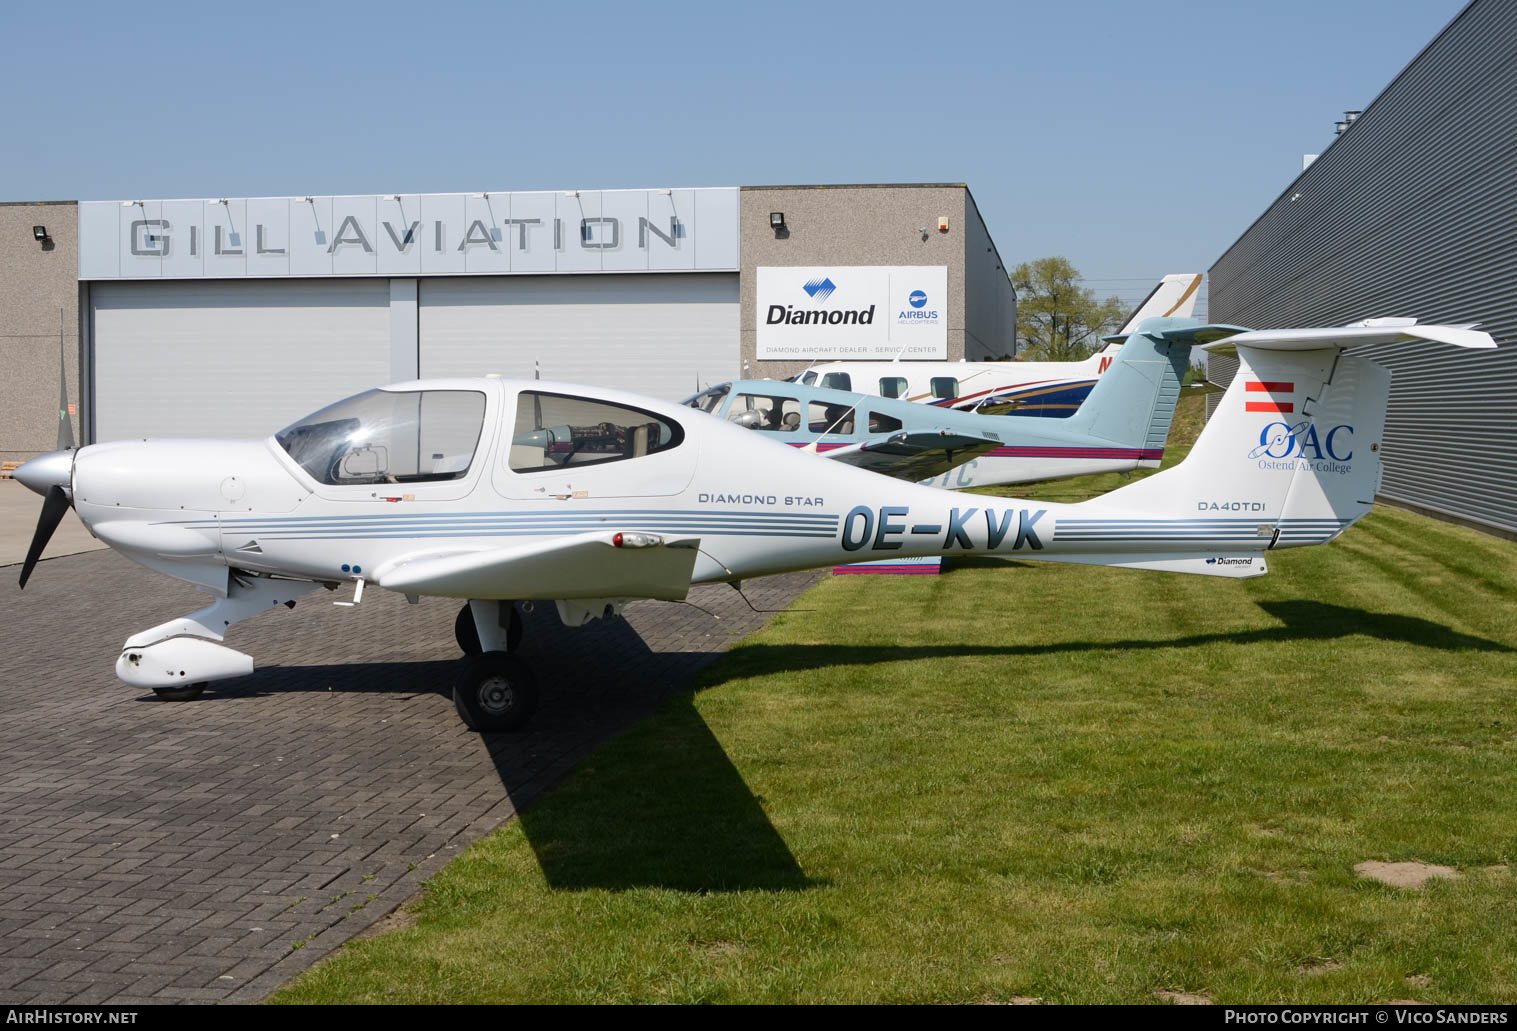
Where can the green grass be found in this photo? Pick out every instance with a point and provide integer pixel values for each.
(1020, 780)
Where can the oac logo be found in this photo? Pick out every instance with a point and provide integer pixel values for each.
(1278, 440)
(820, 289)
(917, 299)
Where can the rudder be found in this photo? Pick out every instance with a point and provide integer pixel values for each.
(1292, 450)
(1133, 402)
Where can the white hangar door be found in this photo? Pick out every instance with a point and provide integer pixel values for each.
(238, 358)
(652, 334)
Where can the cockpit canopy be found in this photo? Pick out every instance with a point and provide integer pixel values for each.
(389, 436)
(708, 400)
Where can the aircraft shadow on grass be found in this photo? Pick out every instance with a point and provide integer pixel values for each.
(665, 806)
(1302, 621)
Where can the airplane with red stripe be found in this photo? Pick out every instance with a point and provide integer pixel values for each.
(498, 492)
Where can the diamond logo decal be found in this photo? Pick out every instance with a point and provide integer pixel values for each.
(820, 289)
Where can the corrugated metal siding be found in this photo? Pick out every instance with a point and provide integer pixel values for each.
(1413, 211)
(1220, 369)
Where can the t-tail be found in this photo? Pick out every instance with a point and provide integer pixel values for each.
(1173, 297)
(1291, 456)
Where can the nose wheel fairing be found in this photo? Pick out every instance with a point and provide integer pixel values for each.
(180, 652)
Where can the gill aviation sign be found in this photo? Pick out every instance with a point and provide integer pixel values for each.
(842, 312)
(411, 235)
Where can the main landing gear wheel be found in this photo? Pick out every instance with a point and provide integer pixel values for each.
(187, 693)
(467, 634)
(495, 691)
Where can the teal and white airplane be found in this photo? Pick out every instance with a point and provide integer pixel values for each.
(1050, 390)
(495, 491)
(1120, 426)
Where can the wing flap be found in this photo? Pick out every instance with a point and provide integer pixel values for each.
(588, 565)
(914, 455)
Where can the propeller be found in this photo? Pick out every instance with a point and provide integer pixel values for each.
(51, 474)
(54, 504)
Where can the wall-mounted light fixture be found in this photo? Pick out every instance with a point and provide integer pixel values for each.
(776, 220)
(39, 233)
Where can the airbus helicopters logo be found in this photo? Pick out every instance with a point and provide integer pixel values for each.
(820, 289)
(918, 312)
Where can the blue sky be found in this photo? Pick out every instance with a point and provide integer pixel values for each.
(1133, 138)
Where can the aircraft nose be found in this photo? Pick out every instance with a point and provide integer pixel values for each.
(54, 469)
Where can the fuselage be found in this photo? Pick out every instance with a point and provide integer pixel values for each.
(323, 501)
(1051, 390)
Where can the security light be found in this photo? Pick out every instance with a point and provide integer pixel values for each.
(39, 233)
(776, 220)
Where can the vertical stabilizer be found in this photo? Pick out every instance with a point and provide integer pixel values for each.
(1290, 456)
(1134, 400)
(1174, 297)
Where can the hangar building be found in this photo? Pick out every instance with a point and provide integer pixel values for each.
(1412, 211)
(233, 316)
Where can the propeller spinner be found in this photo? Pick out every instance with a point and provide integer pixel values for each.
(49, 475)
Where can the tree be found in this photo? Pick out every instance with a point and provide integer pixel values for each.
(1058, 320)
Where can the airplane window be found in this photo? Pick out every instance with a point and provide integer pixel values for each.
(824, 418)
(808, 379)
(389, 436)
(837, 381)
(944, 387)
(765, 412)
(555, 430)
(892, 386)
(708, 400)
(882, 423)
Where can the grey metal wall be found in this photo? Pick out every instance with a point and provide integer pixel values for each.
(1413, 212)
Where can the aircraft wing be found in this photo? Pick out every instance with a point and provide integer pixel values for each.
(914, 455)
(584, 565)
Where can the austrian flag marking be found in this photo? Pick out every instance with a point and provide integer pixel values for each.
(1268, 387)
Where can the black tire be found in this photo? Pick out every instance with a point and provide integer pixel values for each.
(467, 634)
(495, 691)
(187, 693)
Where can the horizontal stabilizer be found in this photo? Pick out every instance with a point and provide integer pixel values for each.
(914, 455)
(1233, 566)
(1359, 335)
(588, 565)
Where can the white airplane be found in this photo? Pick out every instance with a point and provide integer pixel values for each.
(496, 491)
(1049, 389)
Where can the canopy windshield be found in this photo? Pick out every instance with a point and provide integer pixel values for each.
(708, 400)
(389, 436)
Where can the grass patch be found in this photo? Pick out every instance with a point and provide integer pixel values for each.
(1022, 780)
